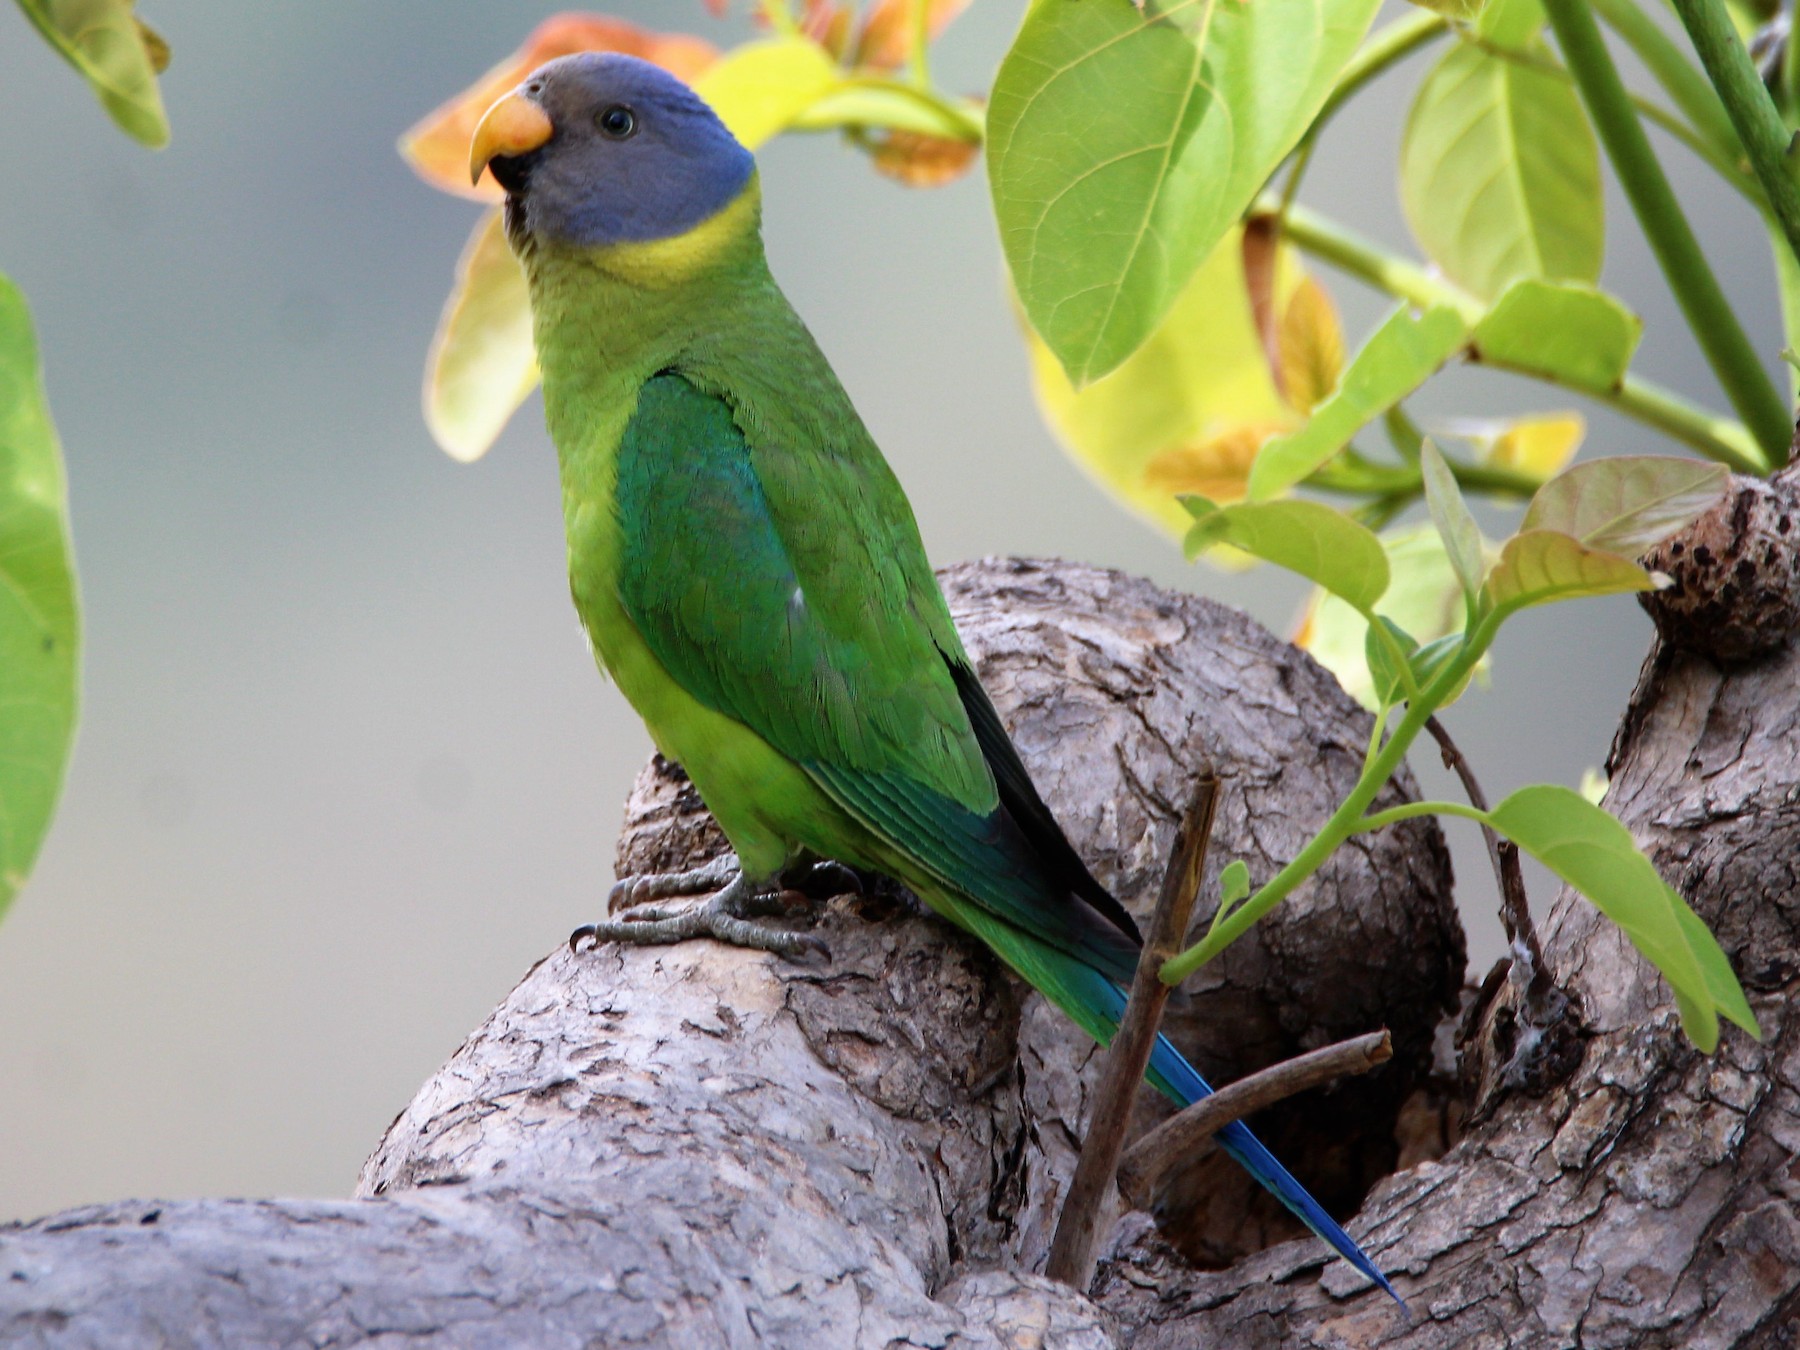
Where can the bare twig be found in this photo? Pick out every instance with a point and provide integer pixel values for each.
(1515, 911)
(1078, 1226)
(1181, 1138)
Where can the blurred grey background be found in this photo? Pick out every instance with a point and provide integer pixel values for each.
(346, 768)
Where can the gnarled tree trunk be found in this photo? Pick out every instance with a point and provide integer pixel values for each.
(697, 1146)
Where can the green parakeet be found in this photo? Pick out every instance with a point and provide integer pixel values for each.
(749, 571)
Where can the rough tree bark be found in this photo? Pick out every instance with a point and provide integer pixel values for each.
(1648, 1198)
(696, 1146)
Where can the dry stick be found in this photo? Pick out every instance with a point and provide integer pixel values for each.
(1078, 1226)
(1183, 1137)
(1515, 912)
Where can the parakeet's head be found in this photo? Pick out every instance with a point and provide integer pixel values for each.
(602, 149)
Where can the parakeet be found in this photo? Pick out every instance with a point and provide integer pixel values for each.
(749, 571)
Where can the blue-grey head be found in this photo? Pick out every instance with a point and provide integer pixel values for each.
(601, 149)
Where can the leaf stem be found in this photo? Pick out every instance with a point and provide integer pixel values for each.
(1413, 810)
(780, 18)
(918, 45)
(1391, 44)
(1715, 325)
(863, 100)
(1673, 71)
(1387, 46)
(1764, 136)
(1718, 438)
(1349, 819)
(1386, 480)
(1515, 908)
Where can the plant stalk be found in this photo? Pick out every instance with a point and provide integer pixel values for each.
(1348, 819)
(1077, 1234)
(1718, 438)
(1715, 325)
(1673, 71)
(1759, 127)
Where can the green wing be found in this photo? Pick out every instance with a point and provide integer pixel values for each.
(785, 586)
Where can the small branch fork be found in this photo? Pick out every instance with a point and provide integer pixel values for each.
(1072, 1250)
(1186, 1135)
(1529, 967)
(1078, 1227)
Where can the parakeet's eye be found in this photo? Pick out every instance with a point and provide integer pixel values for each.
(617, 121)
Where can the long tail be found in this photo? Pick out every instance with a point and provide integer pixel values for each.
(1178, 1080)
(1096, 1004)
(1171, 1075)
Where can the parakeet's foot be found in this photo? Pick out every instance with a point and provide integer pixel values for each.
(629, 892)
(726, 914)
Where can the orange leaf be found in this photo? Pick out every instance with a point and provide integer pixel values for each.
(1261, 238)
(438, 147)
(828, 24)
(1217, 469)
(1310, 347)
(887, 31)
(919, 160)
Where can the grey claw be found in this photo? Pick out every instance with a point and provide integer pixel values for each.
(630, 892)
(723, 916)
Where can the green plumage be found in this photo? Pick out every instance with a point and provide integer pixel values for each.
(749, 570)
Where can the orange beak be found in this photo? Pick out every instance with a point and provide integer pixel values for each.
(513, 126)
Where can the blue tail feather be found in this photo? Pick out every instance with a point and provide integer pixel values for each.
(1178, 1080)
(1175, 1078)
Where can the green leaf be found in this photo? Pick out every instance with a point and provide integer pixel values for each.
(1310, 538)
(1595, 854)
(1432, 658)
(104, 41)
(1450, 513)
(1572, 334)
(1125, 141)
(1389, 676)
(1234, 882)
(1537, 567)
(1511, 23)
(1715, 968)
(1457, 11)
(1424, 599)
(762, 88)
(39, 628)
(1398, 357)
(1500, 172)
(1626, 504)
(482, 364)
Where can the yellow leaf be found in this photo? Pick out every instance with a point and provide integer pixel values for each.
(1217, 469)
(918, 160)
(1540, 447)
(482, 365)
(1311, 347)
(760, 88)
(1201, 375)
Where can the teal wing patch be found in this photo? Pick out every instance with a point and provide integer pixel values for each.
(827, 655)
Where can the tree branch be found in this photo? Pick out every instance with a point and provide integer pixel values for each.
(1078, 1228)
(1177, 1139)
